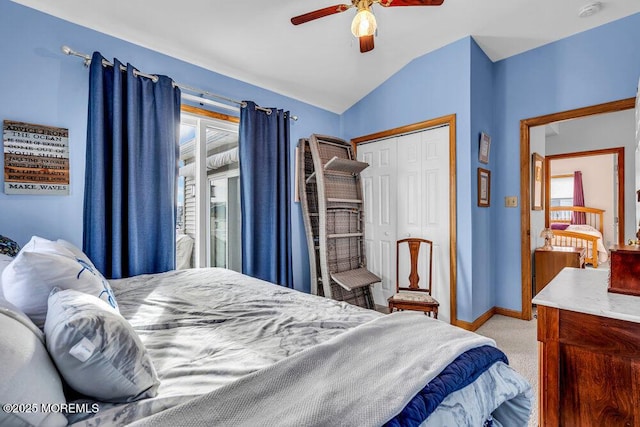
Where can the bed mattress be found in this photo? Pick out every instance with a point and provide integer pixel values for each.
(205, 329)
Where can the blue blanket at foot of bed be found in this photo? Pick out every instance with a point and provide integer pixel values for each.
(465, 369)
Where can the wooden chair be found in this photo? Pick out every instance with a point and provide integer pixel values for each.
(413, 297)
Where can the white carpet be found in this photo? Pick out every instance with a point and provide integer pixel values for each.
(517, 339)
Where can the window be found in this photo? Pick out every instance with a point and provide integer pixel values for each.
(209, 195)
(561, 192)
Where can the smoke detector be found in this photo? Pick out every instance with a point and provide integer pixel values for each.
(589, 9)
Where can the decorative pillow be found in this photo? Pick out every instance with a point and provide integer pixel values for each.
(29, 377)
(76, 251)
(8, 246)
(96, 350)
(559, 226)
(42, 265)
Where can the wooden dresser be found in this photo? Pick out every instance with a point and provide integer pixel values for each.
(625, 269)
(549, 263)
(589, 352)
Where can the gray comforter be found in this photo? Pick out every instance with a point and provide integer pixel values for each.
(205, 329)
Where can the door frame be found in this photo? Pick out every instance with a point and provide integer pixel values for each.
(525, 182)
(449, 120)
(227, 174)
(199, 115)
(619, 151)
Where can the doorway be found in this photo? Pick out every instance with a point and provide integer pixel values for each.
(525, 182)
(605, 183)
(422, 141)
(208, 188)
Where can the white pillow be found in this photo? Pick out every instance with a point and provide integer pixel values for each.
(42, 265)
(76, 251)
(10, 310)
(29, 377)
(96, 350)
(5, 260)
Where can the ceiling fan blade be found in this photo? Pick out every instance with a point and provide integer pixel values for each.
(366, 43)
(320, 13)
(391, 3)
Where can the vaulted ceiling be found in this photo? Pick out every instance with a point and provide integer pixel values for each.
(319, 62)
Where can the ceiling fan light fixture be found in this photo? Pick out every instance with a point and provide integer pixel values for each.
(364, 23)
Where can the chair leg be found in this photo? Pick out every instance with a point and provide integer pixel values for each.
(435, 313)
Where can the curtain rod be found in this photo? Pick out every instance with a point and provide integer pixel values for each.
(200, 98)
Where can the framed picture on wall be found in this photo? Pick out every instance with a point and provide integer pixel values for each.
(484, 187)
(485, 146)
(537, 182)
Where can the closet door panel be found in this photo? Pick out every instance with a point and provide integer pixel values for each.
(435, 211)
(409, 186)
(380, 183)
(406, 192)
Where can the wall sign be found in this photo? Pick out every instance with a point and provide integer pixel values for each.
(36, 159)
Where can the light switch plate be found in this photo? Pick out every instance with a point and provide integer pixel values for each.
(511, 201)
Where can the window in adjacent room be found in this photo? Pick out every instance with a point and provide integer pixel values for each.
(561, 192)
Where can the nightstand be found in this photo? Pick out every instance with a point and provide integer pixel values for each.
(548, 263)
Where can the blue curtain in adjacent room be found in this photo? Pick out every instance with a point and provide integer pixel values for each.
(131, 171)
(265, 183)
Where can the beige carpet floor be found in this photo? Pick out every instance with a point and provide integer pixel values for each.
(517, 339)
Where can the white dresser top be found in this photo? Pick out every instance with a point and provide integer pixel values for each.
(585, 291)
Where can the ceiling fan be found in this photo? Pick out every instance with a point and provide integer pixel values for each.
(364, 24)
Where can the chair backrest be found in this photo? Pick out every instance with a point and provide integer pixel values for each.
(414, 244)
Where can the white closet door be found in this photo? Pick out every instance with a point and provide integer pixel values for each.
(406, 194)
(379, 192)
(435, 221)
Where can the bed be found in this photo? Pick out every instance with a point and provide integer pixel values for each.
(229, 349)
(588, 234)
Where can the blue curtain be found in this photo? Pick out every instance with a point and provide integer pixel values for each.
(131, 171)
(265, 183)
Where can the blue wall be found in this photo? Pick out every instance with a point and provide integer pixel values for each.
(589, 68)
(482, 113)
(38, 84)
(431, 86)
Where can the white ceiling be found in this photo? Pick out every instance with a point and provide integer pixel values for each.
(319, 62)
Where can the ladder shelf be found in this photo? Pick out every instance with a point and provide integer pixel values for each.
(330, 191)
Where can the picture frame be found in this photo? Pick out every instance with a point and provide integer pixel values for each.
(537, 182)
(484, 187)
(485, 147)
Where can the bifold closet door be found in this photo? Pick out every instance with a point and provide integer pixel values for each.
(406, 194)
(379, 183)
(423, 205)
